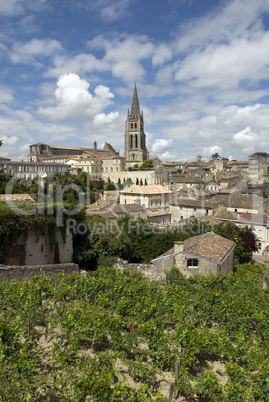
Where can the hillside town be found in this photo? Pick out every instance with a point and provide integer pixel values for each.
(166, 194)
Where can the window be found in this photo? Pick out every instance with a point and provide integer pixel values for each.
(182, 217)
(194, 210)
(111, 169)
(181, 208)
(117, 169)
(235, 210)
(192, 263)
(260, 233)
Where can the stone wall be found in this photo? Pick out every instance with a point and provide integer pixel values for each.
(151, 272)
(36, 248)
(26, 273)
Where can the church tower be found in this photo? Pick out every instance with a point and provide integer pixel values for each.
(135, 139)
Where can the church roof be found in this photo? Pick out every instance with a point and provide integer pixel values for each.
(135, 110)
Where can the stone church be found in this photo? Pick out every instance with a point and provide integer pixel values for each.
(135, 147)
(135, 139)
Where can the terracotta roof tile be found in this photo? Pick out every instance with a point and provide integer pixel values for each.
(147, 190)
(243, 217)
(209, 245)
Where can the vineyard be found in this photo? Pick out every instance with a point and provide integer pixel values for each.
(112, 336)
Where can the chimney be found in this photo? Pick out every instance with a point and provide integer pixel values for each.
(178, 247)
(95, 147)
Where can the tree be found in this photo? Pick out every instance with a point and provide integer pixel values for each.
(244, 238)
(147, 165)
(110, 187)
(215, 156)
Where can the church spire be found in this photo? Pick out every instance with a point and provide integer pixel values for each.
(135, 110)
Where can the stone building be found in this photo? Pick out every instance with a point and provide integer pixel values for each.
(151, 197)
(257, 166)
(30, 170)
(204, 254)
(56, 153)
(135, 139)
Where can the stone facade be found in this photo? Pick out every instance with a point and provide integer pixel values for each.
(151, 197)
(204, 254)
(135, 139)
(30, 170)
(257, 167)
(36, 248)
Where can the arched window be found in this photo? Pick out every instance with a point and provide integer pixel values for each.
(136, 140)
(132, 126)
(133, 157)
(131, 141)
(135, 125)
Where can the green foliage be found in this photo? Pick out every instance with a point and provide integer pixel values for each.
(215, 156)
(147, 165)
(245, 239)
(75, 338)
(110, 187)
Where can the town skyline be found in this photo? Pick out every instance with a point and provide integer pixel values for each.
(201, 69)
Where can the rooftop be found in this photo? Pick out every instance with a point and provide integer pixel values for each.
(147, 190)
(208, 245)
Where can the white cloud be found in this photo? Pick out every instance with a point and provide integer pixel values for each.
(162, 53)
(31, 51)
(102, 118)
(74, 100)
(124, 55)
(229, 20)
(250, 141)
(228, 65)
(161, 145)
(6, 95)
(11, 7)
(113, 10)
(80, 64)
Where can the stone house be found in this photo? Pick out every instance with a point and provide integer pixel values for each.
(159, 217)
(204, 254)
(151, 197)
(115, 211)
(184, 208)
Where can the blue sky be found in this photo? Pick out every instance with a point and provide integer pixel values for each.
(68, 70)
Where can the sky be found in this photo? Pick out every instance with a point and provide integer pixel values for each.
(68, 69)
